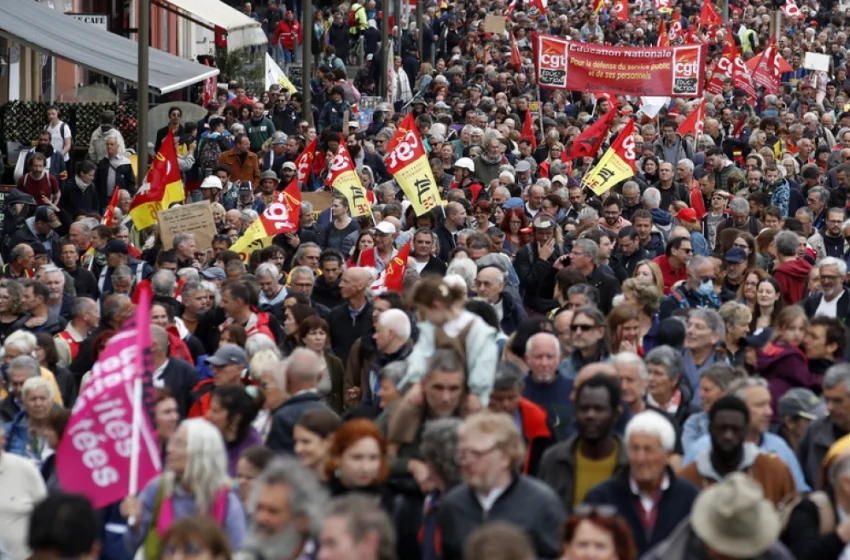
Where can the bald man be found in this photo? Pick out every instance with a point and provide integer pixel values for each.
(351, 320)
(490, 286)
(544, 386)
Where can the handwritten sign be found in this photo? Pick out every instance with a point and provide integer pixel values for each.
(319, 200)
(494, 24)
(194, 218)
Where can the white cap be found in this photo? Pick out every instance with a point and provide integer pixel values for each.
(386, 228)
(211, 182)
(466, 163)
(559, 179)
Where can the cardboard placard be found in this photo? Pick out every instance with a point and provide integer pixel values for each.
(194, 218)
(319, 200)
(816, 61)
(494, 24)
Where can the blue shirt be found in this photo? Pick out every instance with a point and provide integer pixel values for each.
(771, 444)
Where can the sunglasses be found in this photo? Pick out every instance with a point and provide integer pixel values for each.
(601, 510)
(582, 327)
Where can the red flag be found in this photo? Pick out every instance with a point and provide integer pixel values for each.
(407, 124)
(109, 215)
(394, 272)
(163, 186)
(304, 162)
(516, 59)
(695, 122)
(596, 6)
(588, 143)
(766, 71)
(739, 126)
(367, 258)
(528, 130)
(663, 39)
(621, 10)
(731, 66)
(790, 9)
(536, 8)
(709, 16)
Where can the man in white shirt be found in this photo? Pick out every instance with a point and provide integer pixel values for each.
(60, 133)
(833, 299)
(22, 487)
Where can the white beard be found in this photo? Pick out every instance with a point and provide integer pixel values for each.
(284, 545)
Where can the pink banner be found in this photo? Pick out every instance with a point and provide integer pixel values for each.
(94, 456)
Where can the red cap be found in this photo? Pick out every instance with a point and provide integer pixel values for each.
(687, 214)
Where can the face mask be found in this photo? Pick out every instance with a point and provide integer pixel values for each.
(706, 288)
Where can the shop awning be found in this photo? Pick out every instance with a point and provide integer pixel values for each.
(241, 30)
(42, 28)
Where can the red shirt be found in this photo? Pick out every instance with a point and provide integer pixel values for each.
(670, 276)
(47, 186)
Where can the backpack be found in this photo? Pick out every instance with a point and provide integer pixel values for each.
(210, 152)
(352, 16)
(826, 513)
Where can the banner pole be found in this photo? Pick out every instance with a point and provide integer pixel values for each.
(134, 442)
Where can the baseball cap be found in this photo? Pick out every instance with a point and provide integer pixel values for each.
(278, 139)
(211, 182)
(687, 214)
(228, 354)
(558, 178)
(523, 167)
(245, 188)
(514, 202)
(213, 105)
(116, 246)
(386, 228)
(734, 255)
(213, 273)
(441, 105)
(48, 215)
(739, 93)
(288, 165)
(801, 402)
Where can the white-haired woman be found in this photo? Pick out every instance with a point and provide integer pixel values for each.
(195, 483)
(25, 433)
(24, 343)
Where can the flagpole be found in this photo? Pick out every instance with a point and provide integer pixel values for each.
(135, 436)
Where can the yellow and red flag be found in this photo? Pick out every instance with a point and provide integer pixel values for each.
(618, 163)
(109, 215)
(344, 179)
(695, 122)
(407, 124)
(281, 216)
(394, 271)
(409, 165)
(163, 186)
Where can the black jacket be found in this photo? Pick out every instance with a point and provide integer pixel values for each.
(447, 242)
(344, 331)
(84, 282)
(607, 285)
(286, 416)
(513, 313)
(434, 267)
(77, 201)
(124, 179)
(527, 503)
(630, 262)
(537, 277)
(326, 294)
(675, 505)
(811, 303)
(803, 536)
(180, 377)
(162, 133)
(26, 236)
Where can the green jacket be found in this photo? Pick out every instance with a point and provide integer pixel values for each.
(260, 132)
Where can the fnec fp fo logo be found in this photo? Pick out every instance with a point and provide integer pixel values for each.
(686, 70)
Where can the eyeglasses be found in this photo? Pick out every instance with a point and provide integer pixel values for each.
(828, 277)
(687, 250)
(583, 327)
(743, 246)
(474, 454)
(707, 278)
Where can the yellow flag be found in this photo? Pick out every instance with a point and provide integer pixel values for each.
(249, 243)
(409, 165)
(617, 164)
(344, 179)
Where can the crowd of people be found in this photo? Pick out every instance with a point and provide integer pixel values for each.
(662, 371)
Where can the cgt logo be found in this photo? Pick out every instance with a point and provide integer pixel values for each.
(553, 54)
(686, 70)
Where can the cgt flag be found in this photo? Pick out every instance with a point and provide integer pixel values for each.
(407, 124)
(394, 271)
(409, 166)
(709, 16)
(344, 179)
(695, 122)
(618, 163)
(304, 162)
(109, 215)
(528, 129)
(621, 10)
(95, 456)
(163, 186)
(281, 216)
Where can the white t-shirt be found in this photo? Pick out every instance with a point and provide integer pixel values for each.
(56, 138)
(827, 308)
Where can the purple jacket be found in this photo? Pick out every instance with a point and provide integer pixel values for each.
(785, 367)
(235, 449)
